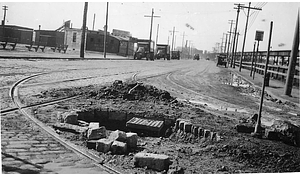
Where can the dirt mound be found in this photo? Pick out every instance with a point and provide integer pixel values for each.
(131, 91)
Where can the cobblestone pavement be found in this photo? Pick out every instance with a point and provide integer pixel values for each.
(28, 149)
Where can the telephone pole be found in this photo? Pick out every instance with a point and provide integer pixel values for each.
(105, 34)
(152, 16)
(94, 22)
(239, 6)
(157, 33)
(83, 30)
(182, 41)
(245, 33)
(228, 49)
(236, 48)
(173, 31)
(5, 8)
(225, 42)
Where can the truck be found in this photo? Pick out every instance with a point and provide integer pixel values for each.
(221, 60)
(162, 51)
(175, 55)
(142, 50)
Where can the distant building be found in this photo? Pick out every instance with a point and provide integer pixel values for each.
(72, 38)
(23, 35)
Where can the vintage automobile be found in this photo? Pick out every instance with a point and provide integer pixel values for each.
(221, 60)
(175, 55)
(196, 57)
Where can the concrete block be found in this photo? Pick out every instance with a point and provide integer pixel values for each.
(131, 139)
(213, 135)
(93, 125)
(118, 147)
(188, 127)
(200, 132)
(157, 162)
(206, 133)
(181, 124)
(91, 144)
(103, 145)
(70, 128)
(118, 135)
(195, 131)
(69, 117)
(96, 133)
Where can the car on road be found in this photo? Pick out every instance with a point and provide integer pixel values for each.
(175, 55)
(196, 57)
(221, 60)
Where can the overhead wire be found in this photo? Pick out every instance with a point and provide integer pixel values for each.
(256, 13)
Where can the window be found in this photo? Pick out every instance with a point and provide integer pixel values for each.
(74, 37)
(92, 39)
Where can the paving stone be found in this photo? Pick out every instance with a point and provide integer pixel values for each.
(18, 146)
(95, 134)
(104, 145)
(118, 147)
(157, 162)
(118, 135)
(13, 150)
(25, 142)
(131, 139)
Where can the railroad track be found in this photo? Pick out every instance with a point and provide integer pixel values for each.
(79, 150)
(4, 111)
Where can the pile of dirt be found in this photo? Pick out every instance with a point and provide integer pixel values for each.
(131, 91)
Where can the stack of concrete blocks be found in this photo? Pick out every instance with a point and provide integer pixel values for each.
(158, 162)
(118, 142)
(186, 127)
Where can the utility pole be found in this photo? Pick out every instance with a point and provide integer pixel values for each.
(293, 60)
(257, 130)
(228, 49)
(173, 31)
(236, 48)
(225, 42)
(151, 27)
(253, 54)
(157, 33)
(5, 8)
(222, 43)
(105, 32)
(83, 30)
(245, 33)
(94, 21)
(239, 6)
(182, 42)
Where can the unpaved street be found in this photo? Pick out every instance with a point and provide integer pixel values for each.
(212, 97)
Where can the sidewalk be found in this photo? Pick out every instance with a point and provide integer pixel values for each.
(275, 88)
(22, 52)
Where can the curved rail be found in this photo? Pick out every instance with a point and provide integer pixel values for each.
(97, 161)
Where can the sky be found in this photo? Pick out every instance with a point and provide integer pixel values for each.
(202, 23)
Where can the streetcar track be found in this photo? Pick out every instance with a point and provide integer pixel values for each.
(15, 98)
(7, 110)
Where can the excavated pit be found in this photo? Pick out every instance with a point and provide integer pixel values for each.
(118, 120)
